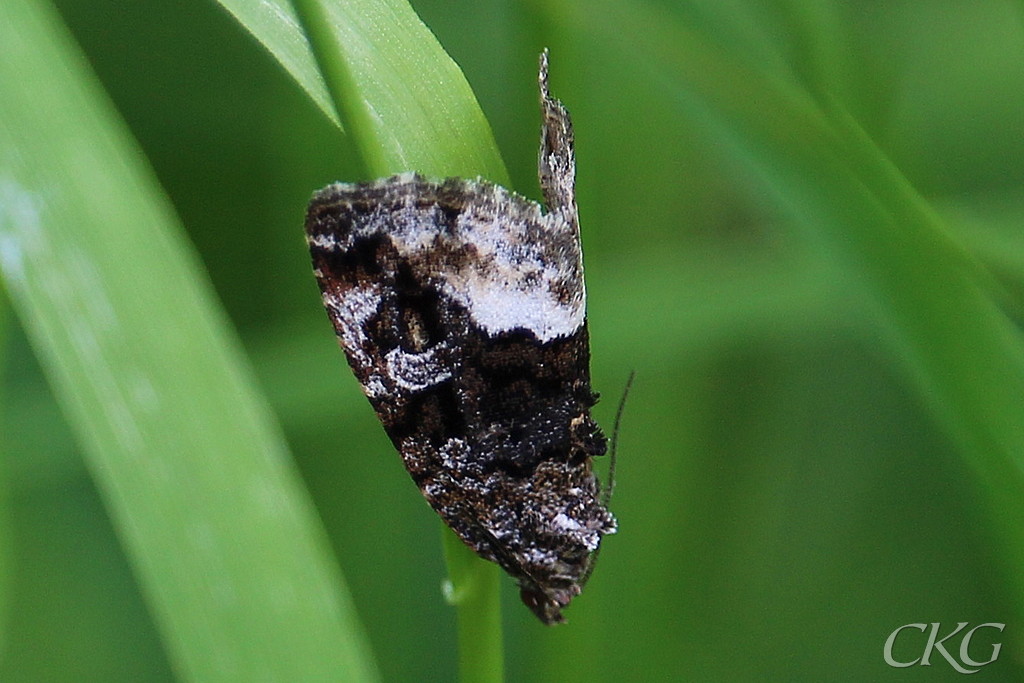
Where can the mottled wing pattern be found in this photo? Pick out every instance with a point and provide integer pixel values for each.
(461, 309)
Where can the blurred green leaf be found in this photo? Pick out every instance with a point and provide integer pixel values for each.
(937, 303)
(6, 537)
(194, 470)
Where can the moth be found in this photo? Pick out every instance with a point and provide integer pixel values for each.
(460, 307)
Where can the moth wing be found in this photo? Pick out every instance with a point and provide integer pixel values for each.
(394, 257)
(460, 308)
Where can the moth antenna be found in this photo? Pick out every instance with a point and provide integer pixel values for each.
(606, 494)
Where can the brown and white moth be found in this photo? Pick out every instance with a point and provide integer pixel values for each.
(461, 309)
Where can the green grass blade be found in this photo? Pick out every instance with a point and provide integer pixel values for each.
(275, 25)
(406, 106)
(6, 535)
(937, 303)
(404, 102)
(475, 591)
(195, 473)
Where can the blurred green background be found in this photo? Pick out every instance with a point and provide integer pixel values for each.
(785, 498)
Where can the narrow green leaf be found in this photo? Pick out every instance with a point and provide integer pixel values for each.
(406, 106)
(936, 302)
(404, 102)
(194, 470)
(275, 25)
(402, 99)
(474, 589)
(6, 536)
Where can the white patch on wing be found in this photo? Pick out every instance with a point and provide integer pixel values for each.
(353, 309)
(523, 259)
(512, 284)
(565, 523)
(409, 371)
(323, 240)
(416, 371)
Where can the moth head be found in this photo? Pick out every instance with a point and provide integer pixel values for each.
(548, 604)
(587, 438)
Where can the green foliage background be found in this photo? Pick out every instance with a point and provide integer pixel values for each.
(799, 474)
